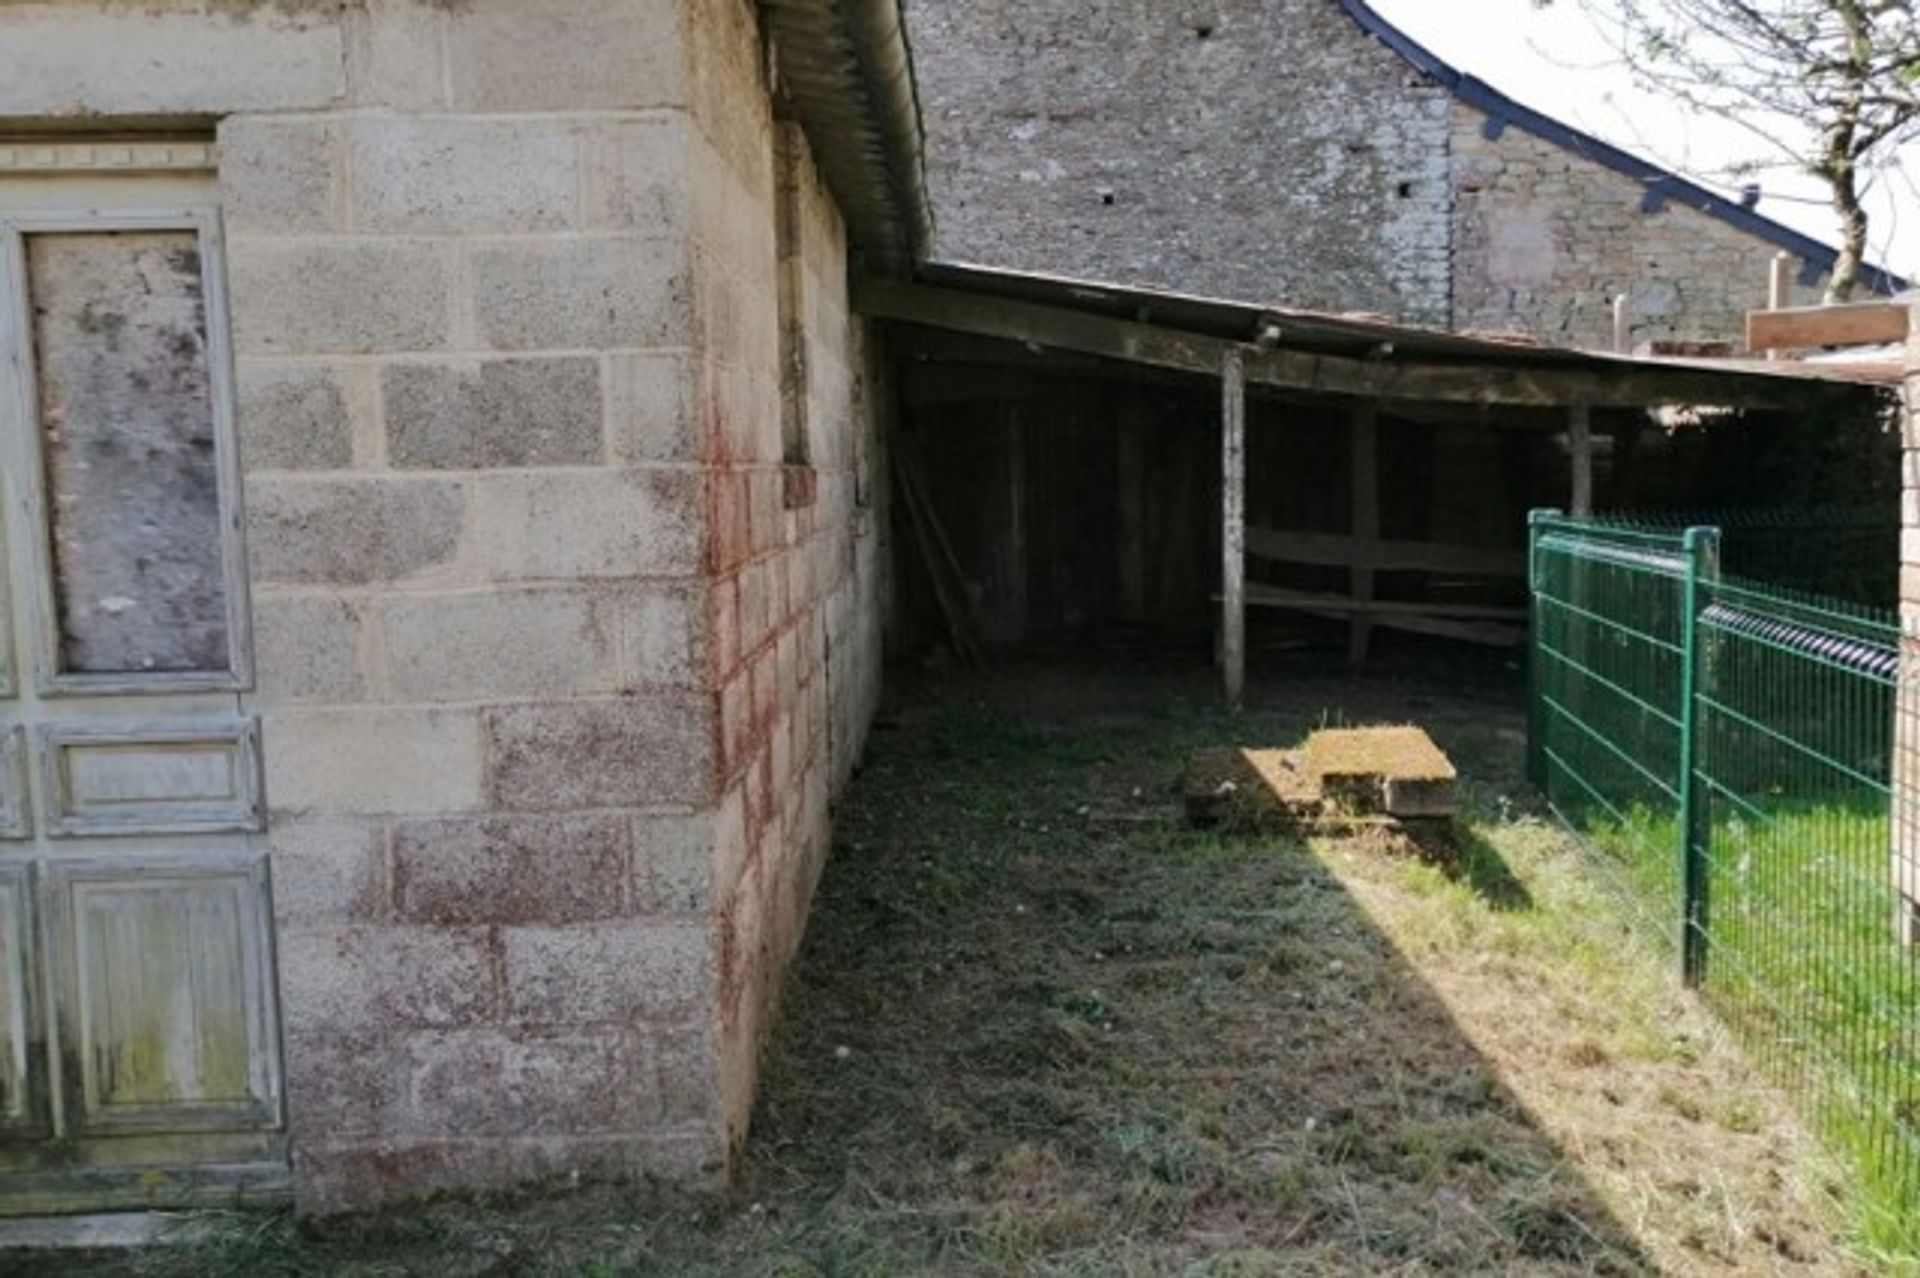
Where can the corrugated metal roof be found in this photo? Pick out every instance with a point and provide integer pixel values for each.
(847, 70)
(1350, 335)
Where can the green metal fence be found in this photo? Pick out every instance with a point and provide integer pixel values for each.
(1725, 747)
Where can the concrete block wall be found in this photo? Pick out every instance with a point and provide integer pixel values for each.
(797, 647)
(1544, 240)
(543, 629)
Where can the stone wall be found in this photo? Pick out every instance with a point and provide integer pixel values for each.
(558, 664)
(1264, 150)
(1272, 151)
(1544, 240)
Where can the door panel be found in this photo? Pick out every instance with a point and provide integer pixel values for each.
(16, 816)
(23, 1092)
(126, 425)
(126, 782)
(139, 1057)
(162, 980)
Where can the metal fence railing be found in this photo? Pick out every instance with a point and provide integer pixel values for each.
(1725, 748)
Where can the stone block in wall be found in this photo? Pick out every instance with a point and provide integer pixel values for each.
(359, 978)
(664, 640)
(600, 293)
(280, 176)
(352, 531)
(653, 407)
(294, 416)
(328, 869)
(636, 174)
(620, 971)
(341, 1085)
(480, 415)
(453, 175)
(597, 523)
(372, 760)
(89, 61)
(633, 751)
(500, 644)
(490, 1082)
(557, 868)
(307, 649)
(348, 296)
(396, 54)
(567, 55)
(673, 862)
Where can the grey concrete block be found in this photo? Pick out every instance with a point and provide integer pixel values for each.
(567, 526)
(499, 645)
(155, 60)
(510, 412)
(307, 650)
(279, 176)
(358, 978)
(516, 1083)
(450, 175)
(293, 417)
(553, 869)
(345, 296)
(372, 760)
(327, 869)
(352, 531)
(622, 972)
(566, 55)
(598, 294)
(632, 751)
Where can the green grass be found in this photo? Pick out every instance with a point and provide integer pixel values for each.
(1803, 961)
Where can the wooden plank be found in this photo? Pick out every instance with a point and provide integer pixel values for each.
(1337, 550)
(1580, 458)
(1489, 632)
(1859, 324)
(1625, 385)
(1364, 444)
(1233, 525)
(1344, 606)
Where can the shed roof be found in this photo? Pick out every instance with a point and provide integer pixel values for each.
(1357, 355)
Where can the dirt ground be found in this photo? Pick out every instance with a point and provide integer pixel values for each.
(1039, 1027)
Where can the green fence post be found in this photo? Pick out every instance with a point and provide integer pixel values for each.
(1703, 571)
(1536, 739)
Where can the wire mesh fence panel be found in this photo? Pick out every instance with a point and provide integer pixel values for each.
(1724, 746)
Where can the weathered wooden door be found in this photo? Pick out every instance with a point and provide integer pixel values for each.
(139, 1060)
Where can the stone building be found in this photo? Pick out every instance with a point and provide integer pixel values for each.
(1306, 153)
(443, 537)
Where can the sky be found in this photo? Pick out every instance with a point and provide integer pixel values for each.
(1556, 61)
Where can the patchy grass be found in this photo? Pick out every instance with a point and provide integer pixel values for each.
(1040, 1028)
(1805, 964)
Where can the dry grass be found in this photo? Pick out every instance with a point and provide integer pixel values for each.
(1041, 1028)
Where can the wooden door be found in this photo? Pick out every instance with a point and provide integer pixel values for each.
(139, 1061)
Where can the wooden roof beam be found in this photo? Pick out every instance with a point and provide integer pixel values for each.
(1061, 328)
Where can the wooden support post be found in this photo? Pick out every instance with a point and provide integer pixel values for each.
(1622, 325)
(1364, 432)
(1233, 525)
(1780, 289)
(1580, 452)
(1131, 497)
